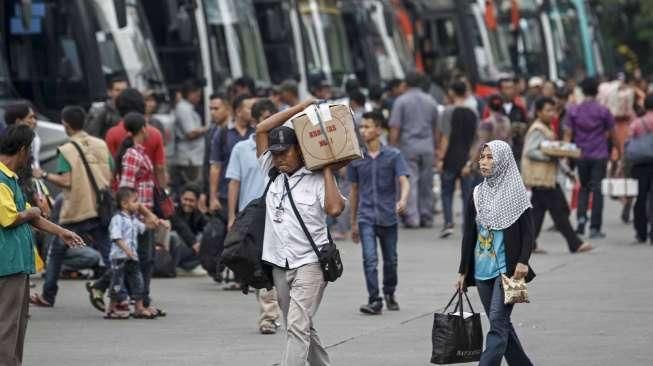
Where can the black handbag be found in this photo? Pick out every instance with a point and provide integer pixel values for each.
(328, 255)
(455, 338)
(105, 205)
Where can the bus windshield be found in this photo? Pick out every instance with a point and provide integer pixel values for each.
(5, 81)
(567, 43)
(127, 50)
(235, 39)
(519, 50)
(332, 31)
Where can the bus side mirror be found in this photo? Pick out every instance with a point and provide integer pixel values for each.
(121, 12)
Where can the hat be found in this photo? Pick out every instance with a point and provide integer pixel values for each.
(281, 139)
(535, 82)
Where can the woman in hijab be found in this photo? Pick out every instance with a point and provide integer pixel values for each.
(498, 238)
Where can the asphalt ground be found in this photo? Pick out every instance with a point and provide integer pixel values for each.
(586, 309)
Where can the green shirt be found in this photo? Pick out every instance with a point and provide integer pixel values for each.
(63, 166)
(16, 243)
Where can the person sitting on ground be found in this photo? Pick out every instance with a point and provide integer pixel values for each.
(187, 225)
(124, 230)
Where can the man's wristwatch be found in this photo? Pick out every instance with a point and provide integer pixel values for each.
(44, 175)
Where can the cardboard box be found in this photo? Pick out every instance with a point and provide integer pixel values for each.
(327, 135)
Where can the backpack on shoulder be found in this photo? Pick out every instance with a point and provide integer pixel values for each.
(243, 245)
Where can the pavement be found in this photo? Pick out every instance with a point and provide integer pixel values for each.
(586, 309)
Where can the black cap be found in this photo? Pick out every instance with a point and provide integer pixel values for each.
(281, 139)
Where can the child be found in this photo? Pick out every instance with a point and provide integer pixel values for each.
(374, 209)
(124, 230)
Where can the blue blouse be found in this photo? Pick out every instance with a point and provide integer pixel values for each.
(489, 255)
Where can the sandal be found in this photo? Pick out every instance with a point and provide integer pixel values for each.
(143, 315)
(95, 296)
(116, 315)
(38, 300)
(157, 312)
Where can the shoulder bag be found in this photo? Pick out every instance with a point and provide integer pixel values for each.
(639, 150)
(329, 256)
(105, 205)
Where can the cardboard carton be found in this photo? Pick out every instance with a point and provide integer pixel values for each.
(327, 135)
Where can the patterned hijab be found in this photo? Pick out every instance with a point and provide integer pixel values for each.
(501, 198)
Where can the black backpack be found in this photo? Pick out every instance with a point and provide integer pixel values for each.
(212, 244)
(243, 246)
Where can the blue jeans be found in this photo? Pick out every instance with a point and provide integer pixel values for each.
(388, 239)
(590, 173)
(126, 271)
(501, 340)
(93, 233)
(448, 180)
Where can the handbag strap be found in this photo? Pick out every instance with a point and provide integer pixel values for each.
(299, 217)
(89, 173)
(459, 304)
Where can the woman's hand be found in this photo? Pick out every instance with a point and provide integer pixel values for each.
(459, 285)
(521, 270)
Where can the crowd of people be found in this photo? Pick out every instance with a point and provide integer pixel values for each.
(177, 190)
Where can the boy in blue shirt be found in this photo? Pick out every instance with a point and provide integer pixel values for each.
(374, 210)
(124, 230)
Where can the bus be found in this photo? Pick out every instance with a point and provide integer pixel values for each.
(448, 38)
(577, 42)
(520, 38)
(303, 40)
(61, 52)
(378, 52)
(209, 41)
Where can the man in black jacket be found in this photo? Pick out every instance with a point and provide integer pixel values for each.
(187, 226)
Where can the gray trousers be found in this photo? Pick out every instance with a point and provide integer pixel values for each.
(419, 210)
(14, 306)
(300, 293)
(269, 306)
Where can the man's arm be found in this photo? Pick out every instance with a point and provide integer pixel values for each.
(121, 243)
(394, 136)
(274, 121)
(234, 190)
(333, 201)
(404, 189)
(353, 206)
(185, 116)
(60, 180)
(161, 175)
(214, 184)
(69, 238)
(28, 215)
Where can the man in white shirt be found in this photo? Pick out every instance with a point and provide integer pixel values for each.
(297, 274)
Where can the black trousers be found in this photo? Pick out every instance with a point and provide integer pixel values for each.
(644, 175)
(554, 201)
(591, 172)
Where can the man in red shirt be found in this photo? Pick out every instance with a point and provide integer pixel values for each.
(131, 100)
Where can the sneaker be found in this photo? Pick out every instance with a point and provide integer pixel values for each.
(391, 303)
(373, 308)
(596, 234)
(446, 232)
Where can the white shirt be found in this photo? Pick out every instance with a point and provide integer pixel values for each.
(284, 243)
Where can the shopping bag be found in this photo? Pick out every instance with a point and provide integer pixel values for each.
(619, 187)
(457, 336)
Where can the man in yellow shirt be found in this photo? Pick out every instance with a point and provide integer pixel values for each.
(16, 243)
